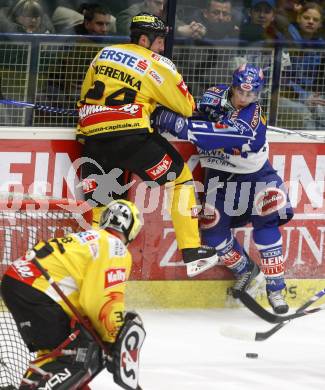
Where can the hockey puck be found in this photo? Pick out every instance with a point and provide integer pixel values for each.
(252, 355)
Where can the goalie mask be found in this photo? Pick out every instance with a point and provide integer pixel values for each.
(122, 216)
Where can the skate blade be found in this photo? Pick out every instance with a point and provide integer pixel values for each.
(197, 267)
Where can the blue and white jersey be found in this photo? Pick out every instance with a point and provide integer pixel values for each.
(228, 139)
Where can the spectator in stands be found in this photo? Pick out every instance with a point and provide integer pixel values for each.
(308, 24)
(65, 19)
(98, 20)
(214, 21)
(286, 13)
(25, 16)
(304, 75)
(155, 7)
(260, 24)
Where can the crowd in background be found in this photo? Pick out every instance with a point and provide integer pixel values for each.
(240, 22)
(248, 20)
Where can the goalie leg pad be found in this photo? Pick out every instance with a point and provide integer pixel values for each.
(78, 364)
(127, 352)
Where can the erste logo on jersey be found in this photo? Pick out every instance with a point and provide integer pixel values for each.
(114, 276)
(87, 236)
(125, 58)
(161, 168)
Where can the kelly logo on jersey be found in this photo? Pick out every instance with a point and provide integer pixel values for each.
(88, 185)
(114, 276)
(24, 269)
(161, 168)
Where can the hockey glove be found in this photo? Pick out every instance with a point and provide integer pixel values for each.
(166, 120)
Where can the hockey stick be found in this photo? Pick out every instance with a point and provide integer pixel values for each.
(259, 310)
(297, 132)
(241, 334)
(73, 309)
(41, 107)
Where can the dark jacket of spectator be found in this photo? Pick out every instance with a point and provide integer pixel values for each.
(217, 18)
(260, 24)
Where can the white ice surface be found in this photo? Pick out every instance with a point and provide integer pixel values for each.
(184, 350)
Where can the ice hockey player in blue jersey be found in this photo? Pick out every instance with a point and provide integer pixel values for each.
(241, 185)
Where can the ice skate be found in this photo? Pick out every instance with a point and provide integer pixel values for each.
(199, 259)
(248, 281)
(277, 301)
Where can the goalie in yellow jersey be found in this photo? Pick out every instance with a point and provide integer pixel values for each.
(121, 89)
(89, 270)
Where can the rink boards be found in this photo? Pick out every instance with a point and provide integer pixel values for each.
(44, 162)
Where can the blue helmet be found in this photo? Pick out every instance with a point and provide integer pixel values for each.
(249, 78)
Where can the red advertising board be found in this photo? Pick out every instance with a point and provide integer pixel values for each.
(45, 167)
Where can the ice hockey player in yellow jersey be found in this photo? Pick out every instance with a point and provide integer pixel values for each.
(91, 268)
(122, 87)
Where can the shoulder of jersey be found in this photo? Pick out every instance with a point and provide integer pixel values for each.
(163, 61)
(217, 89)
(253, 114)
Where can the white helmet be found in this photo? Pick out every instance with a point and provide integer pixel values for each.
(123, 216)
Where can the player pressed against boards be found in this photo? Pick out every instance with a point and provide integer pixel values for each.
(241, 185)
(91, 268)
(121, 89)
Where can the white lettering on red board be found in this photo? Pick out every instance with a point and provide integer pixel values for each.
(39, 173)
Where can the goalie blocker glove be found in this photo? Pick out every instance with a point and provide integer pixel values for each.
(126, 353)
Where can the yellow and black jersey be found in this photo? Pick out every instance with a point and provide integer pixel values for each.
(122, 87)
(91, 268)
